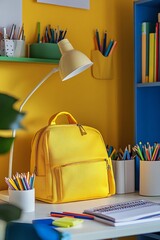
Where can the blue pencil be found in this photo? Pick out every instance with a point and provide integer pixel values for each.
(109, 48)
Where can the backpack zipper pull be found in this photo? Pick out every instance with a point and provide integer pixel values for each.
(107, 165)
(82, 130)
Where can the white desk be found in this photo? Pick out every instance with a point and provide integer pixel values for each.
(91, 230)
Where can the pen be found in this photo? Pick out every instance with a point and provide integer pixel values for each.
(98, 40)
(66, 215)
(75, 215)
(79, 214)
(104, 43)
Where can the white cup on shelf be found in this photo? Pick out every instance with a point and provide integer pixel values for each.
(24, 199)
(149, 178)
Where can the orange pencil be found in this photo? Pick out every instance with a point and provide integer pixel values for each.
(113, 47)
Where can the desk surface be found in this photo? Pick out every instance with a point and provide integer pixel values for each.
(91, 230)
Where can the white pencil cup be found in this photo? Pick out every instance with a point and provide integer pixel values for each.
(12, 48)
(149, 178)
(124, 173)
(24, 199)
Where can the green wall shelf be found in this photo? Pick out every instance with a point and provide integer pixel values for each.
(28, 60)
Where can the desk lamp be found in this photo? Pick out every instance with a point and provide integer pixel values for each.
(72, 62)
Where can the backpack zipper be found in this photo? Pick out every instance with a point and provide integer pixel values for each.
(87, 161)
(82, 130)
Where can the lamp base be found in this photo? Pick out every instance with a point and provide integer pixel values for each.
(4, 195)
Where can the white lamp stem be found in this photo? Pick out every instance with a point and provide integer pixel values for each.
(20, 110)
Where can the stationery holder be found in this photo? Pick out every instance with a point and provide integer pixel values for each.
(149, 178)
(102, 66)
(45, 51)
(12, 48)
(25, 199)
(124, 173)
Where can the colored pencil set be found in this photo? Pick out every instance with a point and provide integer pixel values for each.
(144, 152)
(104, 48)
(51, 35)
(12, 34)
(147, 152)
(21, 181)
(126, 154)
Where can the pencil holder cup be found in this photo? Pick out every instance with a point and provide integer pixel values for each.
(12, 48)
(102, 66)
(124, 173)
(45, 51)
(24, 199)
(149, 178)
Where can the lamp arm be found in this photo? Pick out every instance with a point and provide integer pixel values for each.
(54, 70)
(38, 85)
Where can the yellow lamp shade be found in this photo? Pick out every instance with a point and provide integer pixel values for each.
(72, 61)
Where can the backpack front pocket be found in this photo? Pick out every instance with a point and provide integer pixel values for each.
(82, 180)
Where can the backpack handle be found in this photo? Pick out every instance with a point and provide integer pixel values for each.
(70, 118)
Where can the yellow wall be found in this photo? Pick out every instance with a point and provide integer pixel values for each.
(104, 104)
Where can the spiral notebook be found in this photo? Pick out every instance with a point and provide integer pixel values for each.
(125, 213)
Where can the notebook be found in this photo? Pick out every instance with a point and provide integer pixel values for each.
(125, 213)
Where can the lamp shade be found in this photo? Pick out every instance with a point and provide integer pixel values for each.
(72, 61)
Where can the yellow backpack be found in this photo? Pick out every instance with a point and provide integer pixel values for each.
(70, 162)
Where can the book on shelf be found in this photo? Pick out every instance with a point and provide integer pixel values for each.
(143, 52)
(151, 51)
(126, 213)
(151, 57)
(159, 47)
(147, 28)
(156, 51)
